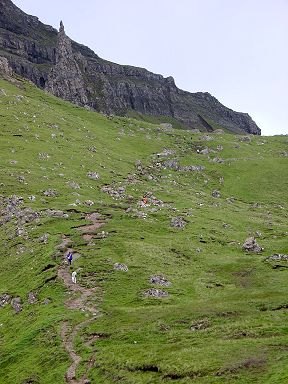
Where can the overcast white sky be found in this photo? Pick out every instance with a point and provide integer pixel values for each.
(234, 49)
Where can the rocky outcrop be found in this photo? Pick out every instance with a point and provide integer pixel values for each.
(75, 73)
(65, 79)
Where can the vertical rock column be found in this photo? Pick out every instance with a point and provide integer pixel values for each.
(65, 79)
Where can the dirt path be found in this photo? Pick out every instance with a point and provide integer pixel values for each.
(79, 301)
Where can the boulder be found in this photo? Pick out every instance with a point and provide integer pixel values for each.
(16, 304)
(251, 245)
(160, 280)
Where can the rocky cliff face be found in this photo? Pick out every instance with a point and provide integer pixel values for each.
(75, 73)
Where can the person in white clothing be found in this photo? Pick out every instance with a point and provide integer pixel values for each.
(74, 277)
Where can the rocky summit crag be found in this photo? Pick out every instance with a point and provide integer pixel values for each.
(71, 71)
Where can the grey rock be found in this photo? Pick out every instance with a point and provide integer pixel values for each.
(160, 280)
(46, 301)
(50, 193)
(251, 245)
(178, 222)
(153, 292)
(277, 257)
(216, 193)
(55, 213)
(89, 203)
(16, 304)
(73, 184)
(44, 238)
(5, 70)
(32, 298)
(121, 267)
(4, 299)
(245, 139)
(217, 160)
(93, 175)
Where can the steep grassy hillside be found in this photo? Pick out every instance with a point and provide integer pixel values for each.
(222, 312)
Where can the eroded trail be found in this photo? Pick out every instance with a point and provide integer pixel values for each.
(79, 300)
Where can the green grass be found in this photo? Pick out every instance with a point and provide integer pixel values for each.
(147, 340)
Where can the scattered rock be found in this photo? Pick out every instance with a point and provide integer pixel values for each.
(178, 222)
(89, 203)
(93, 175)
(21, 232)
(277, 257)
(218, 160)
(32, 198)
(216, 193)
(153, 292)
(32, 297)
(4, 299)
(204, 151)
(115, 193)
(219, 148)
(73, 184)
(56, 213)
(46, 301)
(160, 280)
(251, 245)
(43, 238)
(245, 138)
(121, 267)
(51, 193)
(16, 304)
(256, 205)
(194, 131)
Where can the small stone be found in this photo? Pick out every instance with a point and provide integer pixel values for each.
(216, 193)
(153, 292)
(93, 175)
(121, 267)
(89, 203)
(73, 184)
(43, 238)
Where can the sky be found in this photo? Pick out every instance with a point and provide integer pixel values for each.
(234, 49)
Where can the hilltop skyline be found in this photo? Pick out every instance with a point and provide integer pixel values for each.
(245, 68)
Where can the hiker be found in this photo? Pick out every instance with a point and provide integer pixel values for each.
(145, 200)
(74, 277)
(69, 257)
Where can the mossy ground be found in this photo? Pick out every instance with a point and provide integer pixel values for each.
(239, 296)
